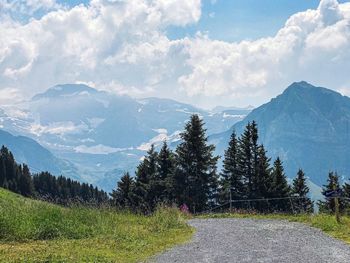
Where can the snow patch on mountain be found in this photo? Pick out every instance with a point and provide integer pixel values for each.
(99, 149)
(159, 139)
(57, 128)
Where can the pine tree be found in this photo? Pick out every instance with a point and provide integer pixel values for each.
(165, 169)
(26, 187)
(245, 157)
(231, 178)
(255, 160)
(263, 180)
(121, 197)
(195, 176)
(2, 171)
(328, 206)
(346, 190)
(303, 203)
(280, 188)
(145, 178)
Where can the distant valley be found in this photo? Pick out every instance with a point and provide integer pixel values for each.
(102, 134)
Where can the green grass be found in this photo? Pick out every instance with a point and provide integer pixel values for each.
(35, 231)
(325, 222)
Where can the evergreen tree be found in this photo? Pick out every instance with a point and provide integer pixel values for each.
(245, 157)
(231, 178)
(346, 190)
(196, 178)
(145, 179)
(121, 197)
(166, 185)
(263, 180)
(2, 172)
(255, 160)
(303, 203)
(280, 188)
(26, 186)
(328, 206)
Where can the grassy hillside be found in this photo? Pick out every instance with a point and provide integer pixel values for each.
(326, 223)
(35, 231)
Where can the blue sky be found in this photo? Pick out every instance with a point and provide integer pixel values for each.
(235, 20)
(203, 52)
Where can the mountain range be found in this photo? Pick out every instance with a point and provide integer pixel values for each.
(95, 136)
(103, 134)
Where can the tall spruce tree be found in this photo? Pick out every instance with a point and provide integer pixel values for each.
(25, 184)
(263, 180)
(255, 160)
(145, 177)
(231, 178)
(245, 157)
(121, 197)
(346, 190)
(302, 203)
(328, 206)
(280, 188)
(195, 175)
(165, 189)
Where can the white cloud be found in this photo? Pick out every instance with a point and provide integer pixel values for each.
(9, 96)
(313, 45)
(122, 46)
(104, 42)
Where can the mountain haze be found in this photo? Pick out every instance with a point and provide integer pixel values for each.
(104, 134)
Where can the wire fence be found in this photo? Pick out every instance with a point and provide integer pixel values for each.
(230, 206)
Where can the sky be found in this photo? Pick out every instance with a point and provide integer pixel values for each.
(203, 52)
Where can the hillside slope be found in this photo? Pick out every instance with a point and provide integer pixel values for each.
(36, 231)
(27, 150)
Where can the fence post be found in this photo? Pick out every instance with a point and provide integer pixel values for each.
(336, 205)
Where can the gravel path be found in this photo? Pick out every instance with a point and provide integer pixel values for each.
(250, 240)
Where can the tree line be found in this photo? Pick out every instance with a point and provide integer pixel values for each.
(188, 175)
(61, 190)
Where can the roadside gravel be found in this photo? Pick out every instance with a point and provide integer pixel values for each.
(256, 240)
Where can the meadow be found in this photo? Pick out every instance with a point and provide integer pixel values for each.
(37, 231)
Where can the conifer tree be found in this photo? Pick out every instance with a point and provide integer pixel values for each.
(346, 190)
(165, 170)
(280, 187)
(2, 171)
(255, 160)
(195, 176)
(145, 177)
(121, 197)
(328, 206)
(263, 180)
(26, 186)
(231, 178)
(245, 161)
(303, 203)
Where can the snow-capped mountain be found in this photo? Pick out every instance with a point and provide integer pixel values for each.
(104, 134)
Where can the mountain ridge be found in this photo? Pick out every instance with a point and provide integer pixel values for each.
(307, 126)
